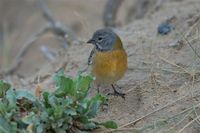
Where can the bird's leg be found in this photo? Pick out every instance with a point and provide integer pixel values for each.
(98, 86)
(116, 93)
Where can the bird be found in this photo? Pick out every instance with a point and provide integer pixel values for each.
(108, 59)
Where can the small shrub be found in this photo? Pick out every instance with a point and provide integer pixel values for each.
(67, 109)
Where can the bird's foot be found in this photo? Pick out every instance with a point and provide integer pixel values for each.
(116, 93)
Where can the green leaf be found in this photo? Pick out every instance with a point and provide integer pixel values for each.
(4, 126)
(52, 100)
(83, 119)
(109, 124)
(82, 84)
(31, 119)
(99, 97)
(82, 106)
(67, 101)
(58, 112)
(11, 97)
(39, 128)
(84, 103)
(45, 96)
(24, 94)
(89, 126)
(93, 107)
(3, 109)
(64, 86)
(94, 104)
(14, 127)
(60, 130)
(44, 116)
(3, 88)
(67, 121)
(71, 112)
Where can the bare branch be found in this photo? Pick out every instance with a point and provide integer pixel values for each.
(110, 12)
(45, 12)
(24, 50)
(56, 27)
(49, 54)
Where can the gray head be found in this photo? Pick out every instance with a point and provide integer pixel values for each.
(103, 39)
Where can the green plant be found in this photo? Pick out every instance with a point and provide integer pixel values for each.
(67, 109)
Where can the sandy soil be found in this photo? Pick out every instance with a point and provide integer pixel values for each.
(163, 71)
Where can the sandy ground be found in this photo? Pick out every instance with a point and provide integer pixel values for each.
(161, 79)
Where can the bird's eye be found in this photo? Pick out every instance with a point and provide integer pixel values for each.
(100, 39)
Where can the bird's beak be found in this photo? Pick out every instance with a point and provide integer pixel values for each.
(91, 41)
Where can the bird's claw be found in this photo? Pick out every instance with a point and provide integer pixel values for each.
(116, 93)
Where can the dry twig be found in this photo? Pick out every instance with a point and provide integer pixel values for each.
(49, 54)
(188, 124)
(56, 27)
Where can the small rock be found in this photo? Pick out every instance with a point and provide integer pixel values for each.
(164, 28)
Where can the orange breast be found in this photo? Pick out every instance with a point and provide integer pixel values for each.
(108, 67)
